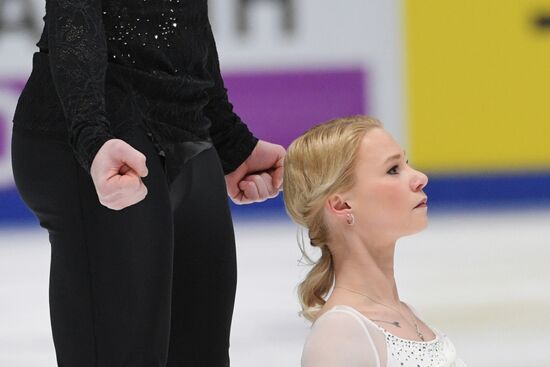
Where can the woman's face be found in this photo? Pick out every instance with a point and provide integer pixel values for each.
(388, 191)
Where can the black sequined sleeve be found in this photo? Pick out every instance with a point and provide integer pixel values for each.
(231, 137)
(78, 63)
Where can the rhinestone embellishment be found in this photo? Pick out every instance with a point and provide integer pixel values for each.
(146, 32)
(411, 353)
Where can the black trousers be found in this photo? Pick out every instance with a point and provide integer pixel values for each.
(152, 285)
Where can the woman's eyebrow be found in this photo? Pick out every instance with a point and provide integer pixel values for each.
(395, 156)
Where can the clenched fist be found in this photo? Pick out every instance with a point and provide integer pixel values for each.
(116, 171)
(259, 177)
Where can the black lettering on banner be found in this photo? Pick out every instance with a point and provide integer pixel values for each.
(288, 21)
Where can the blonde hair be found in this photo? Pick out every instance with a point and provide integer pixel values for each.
(318, 164)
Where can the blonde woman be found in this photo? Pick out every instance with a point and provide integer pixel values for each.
(349, 184)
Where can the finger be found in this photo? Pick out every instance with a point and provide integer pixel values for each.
(240, 199)
(144, 192)
(277, 176)
(109, 190)
(249, 189)
(268, 183)
(118, 196)
(137, 196)
(134, 159)
(124, 169)
(111, 200)
(233, 189)
(128, 183)
(261, 187)
(250, 192)
(121, 186)
(236, 198)
(272, 191)
(124, 201)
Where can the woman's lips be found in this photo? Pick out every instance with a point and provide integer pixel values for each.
(423, 203)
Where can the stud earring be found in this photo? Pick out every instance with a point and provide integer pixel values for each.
(350, 219)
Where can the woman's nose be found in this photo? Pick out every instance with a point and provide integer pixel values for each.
(419, 181)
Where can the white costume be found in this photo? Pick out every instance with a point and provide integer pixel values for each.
(344, 337)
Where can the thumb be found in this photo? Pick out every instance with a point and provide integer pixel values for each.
(135, 160)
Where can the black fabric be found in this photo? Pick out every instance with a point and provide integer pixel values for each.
(152, 285)
(103, 66)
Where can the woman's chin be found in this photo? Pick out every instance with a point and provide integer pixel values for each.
(417, 227)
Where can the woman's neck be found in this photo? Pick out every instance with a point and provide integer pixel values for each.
(367, 269)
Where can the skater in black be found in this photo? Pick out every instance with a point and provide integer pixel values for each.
(125, 147)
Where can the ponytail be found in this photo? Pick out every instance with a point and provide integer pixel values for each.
(318, 282)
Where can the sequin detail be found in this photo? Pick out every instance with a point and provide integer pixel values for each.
(411, 353)
(159, 32)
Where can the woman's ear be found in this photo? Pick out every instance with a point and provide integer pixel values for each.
(338, 205)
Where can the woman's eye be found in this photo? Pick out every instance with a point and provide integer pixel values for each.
(393, 170)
